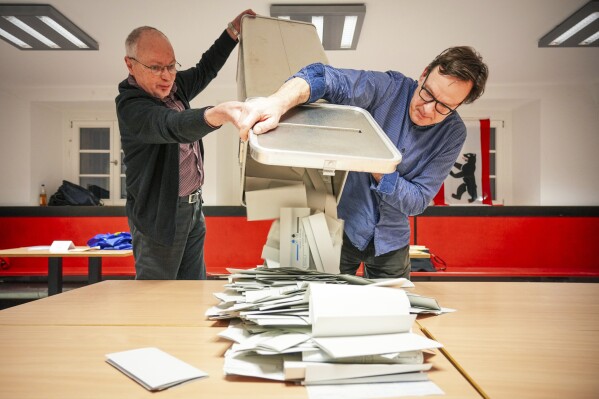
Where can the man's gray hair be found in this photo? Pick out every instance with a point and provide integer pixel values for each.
(133, 38)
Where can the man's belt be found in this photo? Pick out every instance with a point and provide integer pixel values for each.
(192, 198)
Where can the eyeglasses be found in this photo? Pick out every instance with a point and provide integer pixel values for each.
(157, 69)
(427, 97)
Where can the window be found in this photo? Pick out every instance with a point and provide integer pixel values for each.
(496, 157)
(98, 161)
(492, 163)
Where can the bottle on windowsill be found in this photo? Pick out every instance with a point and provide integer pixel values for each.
(43, 196)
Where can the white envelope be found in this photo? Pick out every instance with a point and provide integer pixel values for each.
(152, 368)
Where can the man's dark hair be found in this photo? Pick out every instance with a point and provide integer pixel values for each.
(466, 64)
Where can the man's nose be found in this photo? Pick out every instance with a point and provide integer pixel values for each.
(429, 108)
(165, 74)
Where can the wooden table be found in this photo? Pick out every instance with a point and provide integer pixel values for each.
(521, 340)
(122, 303)
(55, 262)
(57, 345)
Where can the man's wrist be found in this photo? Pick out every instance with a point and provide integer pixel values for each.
(206, 119)
(234, 33)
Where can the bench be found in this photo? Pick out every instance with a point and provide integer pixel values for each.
(475, 242)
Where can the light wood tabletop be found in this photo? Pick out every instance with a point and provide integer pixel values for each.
(122, 303)
(55, 261)
(58, 344)
(518, 339)
(65, 362)
(81, 252)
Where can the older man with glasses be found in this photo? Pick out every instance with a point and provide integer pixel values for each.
(420, 119)
(164, 157)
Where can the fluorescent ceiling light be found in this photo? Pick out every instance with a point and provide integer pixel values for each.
(41, 27)
(349, 28)
(590, 39)
(338, 25)
(577, 30)
(65, 33)
(20, 24)
(13, 39)
(318, 22)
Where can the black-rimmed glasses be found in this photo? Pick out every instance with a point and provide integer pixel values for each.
(157, 69)
(427, 97)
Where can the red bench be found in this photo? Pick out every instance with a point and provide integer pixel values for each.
(475, 242)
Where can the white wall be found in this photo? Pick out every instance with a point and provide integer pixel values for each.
(569, 145)
(15, 151)
(562, 145)
(526, 154)
(47, 150)
(554, 139)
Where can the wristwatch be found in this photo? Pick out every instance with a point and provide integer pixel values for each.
(233, 30)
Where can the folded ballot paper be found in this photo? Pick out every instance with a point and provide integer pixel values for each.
(320, 333)
(154, 369)
(358, 321)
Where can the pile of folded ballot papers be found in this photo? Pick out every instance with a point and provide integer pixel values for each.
(326, 331)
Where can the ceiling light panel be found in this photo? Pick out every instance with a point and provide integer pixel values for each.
(341, 23)
(41, 27)
(577, 30)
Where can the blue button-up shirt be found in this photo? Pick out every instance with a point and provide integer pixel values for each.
(380, 211)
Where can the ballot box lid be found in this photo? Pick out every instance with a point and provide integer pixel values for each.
(328, 137)
(332, 139)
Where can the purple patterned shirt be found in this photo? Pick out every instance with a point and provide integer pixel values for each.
(191, 166)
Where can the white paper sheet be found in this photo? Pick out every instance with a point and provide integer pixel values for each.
(345, 310)
(269, 367)
(294, 247)
(374, 344)
(324, 242)
(371, 391)
(331, 371)
(152, 368)
(403, 377)
(265, 204)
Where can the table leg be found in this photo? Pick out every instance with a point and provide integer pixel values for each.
(54, 276)
(94, 270)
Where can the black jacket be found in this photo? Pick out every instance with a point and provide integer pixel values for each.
(150, 137)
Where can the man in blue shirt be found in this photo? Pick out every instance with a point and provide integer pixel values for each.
(421, 120)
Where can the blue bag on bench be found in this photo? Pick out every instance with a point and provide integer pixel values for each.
(120, 240)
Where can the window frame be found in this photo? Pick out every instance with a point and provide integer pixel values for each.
(502, 162)
(115, 156)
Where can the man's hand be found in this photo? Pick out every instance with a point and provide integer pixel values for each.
(261, 114)
(236, 24)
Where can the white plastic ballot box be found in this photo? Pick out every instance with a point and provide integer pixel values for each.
(303, 163)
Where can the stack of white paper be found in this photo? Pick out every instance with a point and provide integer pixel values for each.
(267, 296)
(321, 333)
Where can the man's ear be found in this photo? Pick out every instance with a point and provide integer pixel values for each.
(129, 65)
(424, 73)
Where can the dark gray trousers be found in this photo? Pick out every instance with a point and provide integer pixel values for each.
(184, 259)
(393, 264)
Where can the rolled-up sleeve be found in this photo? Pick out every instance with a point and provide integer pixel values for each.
(365, 89)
